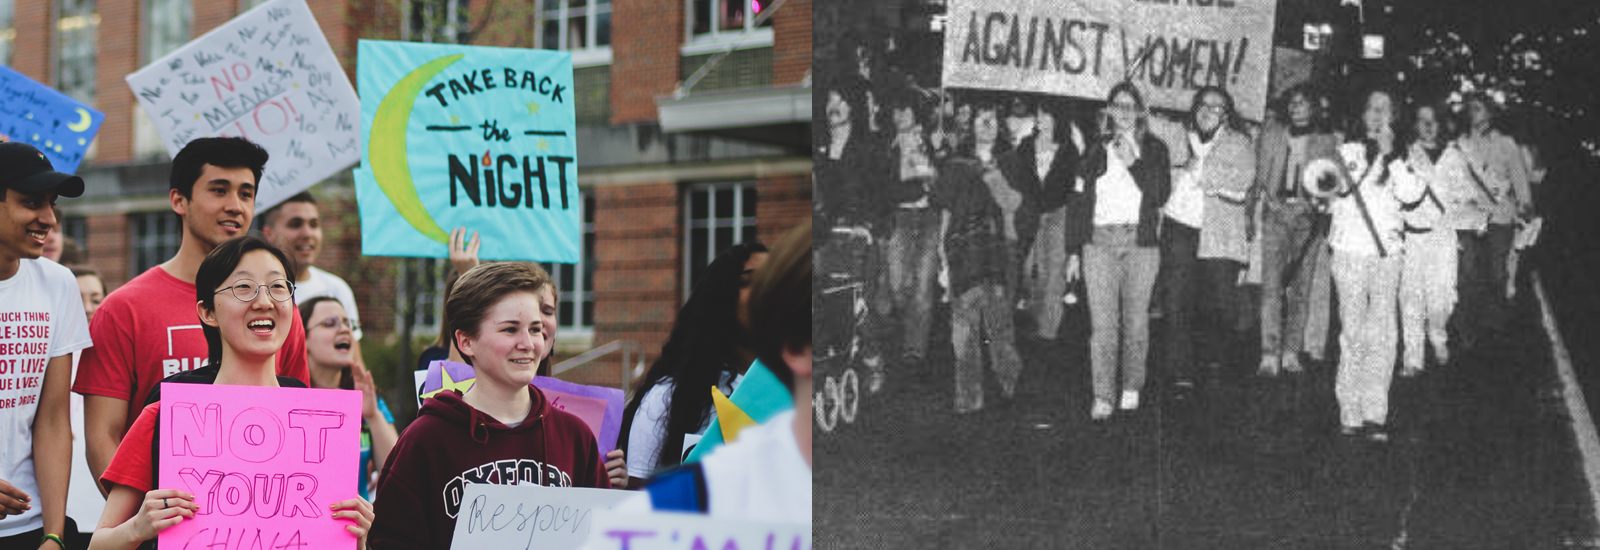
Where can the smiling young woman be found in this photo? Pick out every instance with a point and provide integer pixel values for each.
(244, 297)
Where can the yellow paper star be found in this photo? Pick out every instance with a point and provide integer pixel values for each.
(455, 120)
(297, 84)
(543, 145)
(449, 384)
(533, 107)
(197, 116)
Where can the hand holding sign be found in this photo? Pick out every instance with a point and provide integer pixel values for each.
(162, 508)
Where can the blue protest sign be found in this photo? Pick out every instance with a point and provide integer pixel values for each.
(467, 136)
(57, 125)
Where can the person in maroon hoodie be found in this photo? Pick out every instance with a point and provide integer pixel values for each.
(502, 431)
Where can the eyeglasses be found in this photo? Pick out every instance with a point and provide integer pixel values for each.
(334, 322)
(246, 290)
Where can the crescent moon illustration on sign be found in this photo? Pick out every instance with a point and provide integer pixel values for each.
(83, 121)
(386, 148)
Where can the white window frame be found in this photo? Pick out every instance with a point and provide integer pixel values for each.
(452, 18)
(742, 189)
(722, 39)
(575, 323)
(75, 21)
(8, 32)
(147, 14)
(590, 55)
(137, 243)
(428, 296)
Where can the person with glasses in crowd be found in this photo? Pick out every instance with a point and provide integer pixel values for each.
(245, 303)
(1203, 240)
(1127, 177)
(331, 354)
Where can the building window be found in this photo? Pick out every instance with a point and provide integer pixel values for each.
(8, 31)
(77, 229)
(166, 27)
(77, 25)
(153, 238)
(717, 216)
(575, 25)
(430, 292)
(718, 17)
(442, 21)
(247, 5)
(576, 281)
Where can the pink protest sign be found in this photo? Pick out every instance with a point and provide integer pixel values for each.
(600, 408)
(264, 464)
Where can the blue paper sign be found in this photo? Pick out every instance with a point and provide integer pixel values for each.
(35, 114)
(467, 136)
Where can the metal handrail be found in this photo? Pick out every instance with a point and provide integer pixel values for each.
(630, 368)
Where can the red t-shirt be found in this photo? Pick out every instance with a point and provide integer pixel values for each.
(131, 465)
(148, 330)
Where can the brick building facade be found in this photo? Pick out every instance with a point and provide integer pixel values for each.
(659, 194)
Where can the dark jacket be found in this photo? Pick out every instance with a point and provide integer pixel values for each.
(1039, 195)
(1152, 172)
(451, 444)
(1272, 162)
(974, 241)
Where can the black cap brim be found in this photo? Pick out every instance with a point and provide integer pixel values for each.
(65, 185)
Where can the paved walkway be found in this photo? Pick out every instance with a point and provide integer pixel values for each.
(1482, 457)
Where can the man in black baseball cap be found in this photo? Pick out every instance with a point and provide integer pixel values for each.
(28, 186)
(44, 295)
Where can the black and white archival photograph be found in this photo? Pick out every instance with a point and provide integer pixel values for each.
(1211, 274)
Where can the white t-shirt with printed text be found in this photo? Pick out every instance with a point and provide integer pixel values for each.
(41, 317)
(322, 283)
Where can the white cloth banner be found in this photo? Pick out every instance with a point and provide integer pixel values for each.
(530, 516)
(1082, 48)
(268, 76)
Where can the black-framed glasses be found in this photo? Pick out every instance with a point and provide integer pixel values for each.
(246, 290)
(334, 322)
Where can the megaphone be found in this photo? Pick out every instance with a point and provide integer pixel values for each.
(1324, 179)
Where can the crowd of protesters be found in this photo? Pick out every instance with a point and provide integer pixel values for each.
(1376, 242)
(79, 400)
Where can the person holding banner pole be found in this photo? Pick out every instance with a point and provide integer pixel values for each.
(244, 300)
(1367, 239)
(45, 326)
(1287, 231)
(213, 189)
(975, 239)
(1203, 239)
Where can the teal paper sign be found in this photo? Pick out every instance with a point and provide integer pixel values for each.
(467, 136)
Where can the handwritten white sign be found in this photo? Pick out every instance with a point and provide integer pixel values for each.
(530, 516)
(267, 76)
(679, 531)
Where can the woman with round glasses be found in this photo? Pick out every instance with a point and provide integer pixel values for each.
(330, 334)
(245, 302)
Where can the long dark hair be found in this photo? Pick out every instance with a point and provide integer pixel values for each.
(700, 348)
(307, 309)
(214, 271)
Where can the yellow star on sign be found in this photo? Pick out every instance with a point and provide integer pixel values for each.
(533, 107)
(297, 84)
(449, 384)
(543, 145)
(455, 120)
(197, 116)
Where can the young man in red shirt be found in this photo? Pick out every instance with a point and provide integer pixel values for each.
(147, 330)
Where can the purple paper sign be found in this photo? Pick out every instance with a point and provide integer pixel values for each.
(605, 427)
(600, 408)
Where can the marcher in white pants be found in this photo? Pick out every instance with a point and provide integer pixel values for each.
(1428, 278)
(1367, 248)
